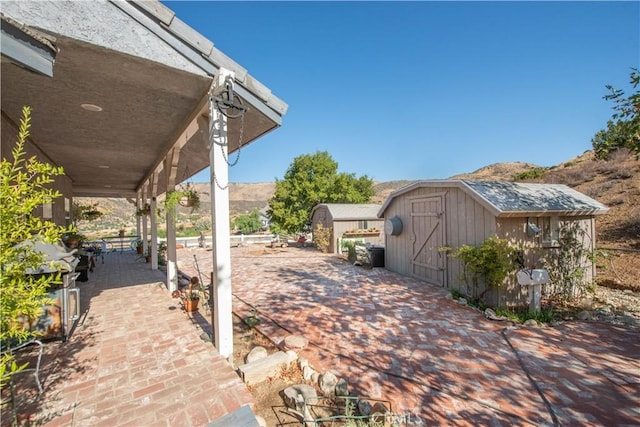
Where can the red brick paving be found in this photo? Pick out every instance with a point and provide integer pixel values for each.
(134, 359)
(400, 339)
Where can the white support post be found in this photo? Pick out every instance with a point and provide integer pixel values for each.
(222, 312)
(138, 219)
(154, 235)
(153, 223)
(172, 267)
(145, 226)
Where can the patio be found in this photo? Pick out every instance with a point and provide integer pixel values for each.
(135, 358)
(399, 339)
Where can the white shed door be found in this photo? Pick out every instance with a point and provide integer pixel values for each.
(428, 236)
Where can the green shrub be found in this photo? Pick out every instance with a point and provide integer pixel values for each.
(489, 263)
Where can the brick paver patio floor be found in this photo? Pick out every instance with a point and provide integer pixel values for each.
(134, 359)
(402, 340)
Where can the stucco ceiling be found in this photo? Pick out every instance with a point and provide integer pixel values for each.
(145, 106)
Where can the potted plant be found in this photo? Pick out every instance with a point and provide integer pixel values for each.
(73, 239)
(144, 210)
(191, 297)
(189, 197)
(139, 247)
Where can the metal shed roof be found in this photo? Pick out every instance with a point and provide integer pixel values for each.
(505, 199)
(348, 211)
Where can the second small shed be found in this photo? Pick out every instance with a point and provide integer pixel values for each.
(425, 216)
(349, 221)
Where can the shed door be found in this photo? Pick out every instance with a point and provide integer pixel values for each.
(428, 236)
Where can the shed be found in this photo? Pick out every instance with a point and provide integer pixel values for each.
(349, 221)
(427, 215)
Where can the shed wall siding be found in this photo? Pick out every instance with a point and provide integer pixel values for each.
(466, 222)
(340, 227)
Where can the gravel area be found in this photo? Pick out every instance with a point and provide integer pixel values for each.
(619, 307)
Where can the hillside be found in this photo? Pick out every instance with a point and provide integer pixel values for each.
(615, 182)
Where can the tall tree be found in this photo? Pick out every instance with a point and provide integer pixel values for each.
(312, 179)
(623, 130)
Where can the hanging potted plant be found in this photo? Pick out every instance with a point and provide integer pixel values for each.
(144, 210)
(189, 197)
(191, 297)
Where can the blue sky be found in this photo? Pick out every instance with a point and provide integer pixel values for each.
(420, 90)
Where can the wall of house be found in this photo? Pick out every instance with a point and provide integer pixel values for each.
(59, 213)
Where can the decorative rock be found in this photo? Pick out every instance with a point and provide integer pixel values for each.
(295, 396)
(364, 407)
(307, 373)
(584, 315)
(491, 315)
(295, 342)
(342, 388)
(605, 311)
(302, 362)
(256, 353)
(531, 322)
(378, 413)
(315, 377)
(327, 383)
(292, 356)
(462, 301)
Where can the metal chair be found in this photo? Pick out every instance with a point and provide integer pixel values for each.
(36, 369)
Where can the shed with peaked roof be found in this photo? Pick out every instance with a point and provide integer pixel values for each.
(349, 221)
(428, 215)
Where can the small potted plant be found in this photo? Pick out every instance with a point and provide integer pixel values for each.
(144, 210)
(191, 296)
(139, 247)
(189, 197)
(73, 240)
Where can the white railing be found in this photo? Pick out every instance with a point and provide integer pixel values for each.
(236, 240)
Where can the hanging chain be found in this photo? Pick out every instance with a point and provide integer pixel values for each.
(222, 106)
(225, 155)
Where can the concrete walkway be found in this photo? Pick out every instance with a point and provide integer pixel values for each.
(439, 363)
(135, 358)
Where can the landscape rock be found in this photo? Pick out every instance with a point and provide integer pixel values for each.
(327, 383)
(307, 373)
(364, 407)
(256, 353)
(342, 388)
(295, 396)
(584, 315)
(491, 315)
(259, 370)
(531, 323)
(379, 414)
(302, 362)
(462, 301)
(295, 342)
(292, 356)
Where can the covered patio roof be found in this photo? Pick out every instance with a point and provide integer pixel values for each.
(129, 83)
